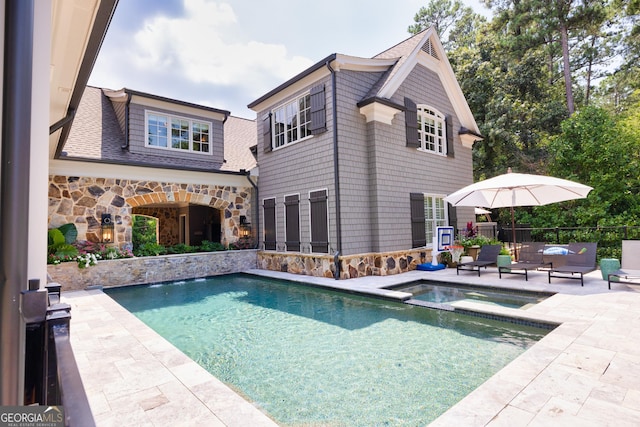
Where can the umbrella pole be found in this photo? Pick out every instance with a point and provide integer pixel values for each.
(513, 231)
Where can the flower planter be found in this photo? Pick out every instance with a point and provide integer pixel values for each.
(504, 260)
(608, 265)
(472, 251)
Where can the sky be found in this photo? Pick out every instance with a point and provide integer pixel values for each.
(227, 53)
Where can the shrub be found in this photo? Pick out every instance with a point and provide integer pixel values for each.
(150, 249)
(181, 248)
(60, 244)
(207, 246)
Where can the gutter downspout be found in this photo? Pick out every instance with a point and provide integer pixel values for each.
(257, 198)
(126, 122)
(14, 187)
(336, 171)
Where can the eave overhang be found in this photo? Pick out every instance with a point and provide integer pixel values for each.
(379, 109)
(78, 30)
(469, 137)
(150, 100)
(319, 70)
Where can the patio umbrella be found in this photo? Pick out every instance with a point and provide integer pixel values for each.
(517, 189)
(481, 211)
(486, 213)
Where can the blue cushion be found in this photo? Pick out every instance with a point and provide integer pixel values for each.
(556, 250)
(430, 267)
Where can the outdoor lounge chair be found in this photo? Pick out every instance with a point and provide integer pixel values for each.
(580, 259)
(529, 258)
(488, 255)
(630, 264)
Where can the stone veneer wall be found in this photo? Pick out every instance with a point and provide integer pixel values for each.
(83, 200)
(352, 266)
(133, 271)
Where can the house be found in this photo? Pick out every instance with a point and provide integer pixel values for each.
(356, 156)
(132, 153)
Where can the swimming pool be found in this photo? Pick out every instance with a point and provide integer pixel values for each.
(309, 356)
(441, 293)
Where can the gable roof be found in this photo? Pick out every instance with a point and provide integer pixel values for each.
(425, 49)
(397, 63)
(239, 136)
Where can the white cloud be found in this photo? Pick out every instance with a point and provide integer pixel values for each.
(206, 46)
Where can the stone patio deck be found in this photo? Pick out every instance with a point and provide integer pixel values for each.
(586, 372)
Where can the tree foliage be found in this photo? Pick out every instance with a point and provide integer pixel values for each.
(554, 86)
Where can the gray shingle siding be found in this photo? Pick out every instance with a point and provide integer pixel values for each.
(377, 170)
(358, 222)
(299, 168)
(402, 170)
(137, 139)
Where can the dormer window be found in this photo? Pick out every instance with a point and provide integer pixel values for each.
(177, 133)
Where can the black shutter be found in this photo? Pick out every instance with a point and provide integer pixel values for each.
(319, 221)
(453, 219)
(269, 207)
(266, 134)
(318, 110)
(418, 232)
(292, 230)
(448, 120)
(411, 122)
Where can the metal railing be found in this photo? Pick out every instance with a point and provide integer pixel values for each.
(609, 239)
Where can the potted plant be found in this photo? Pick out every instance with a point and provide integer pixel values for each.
(504, 258)
(456, 250)
(445, 258)
(473, 244)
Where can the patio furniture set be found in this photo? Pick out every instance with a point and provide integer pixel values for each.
(571, 261)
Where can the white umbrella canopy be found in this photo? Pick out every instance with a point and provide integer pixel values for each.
(518, 189)
(480, 211)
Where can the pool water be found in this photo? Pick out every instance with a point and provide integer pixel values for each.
(438, 293)
(312, 357)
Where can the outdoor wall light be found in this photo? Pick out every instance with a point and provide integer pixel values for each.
(245, 227)
(107, 228)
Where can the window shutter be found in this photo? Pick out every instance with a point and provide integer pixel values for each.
(266, 134)
(269, 207)
(453, 219)
(418, 232)
(448, 120)
(319, 221)
(411, 122)
(318, 110)
(292, 212)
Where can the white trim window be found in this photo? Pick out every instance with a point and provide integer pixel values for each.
(291, 121)
(432, 130)
(435, 214)
(177, 133)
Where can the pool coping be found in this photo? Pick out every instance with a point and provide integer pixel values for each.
(585, 371)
